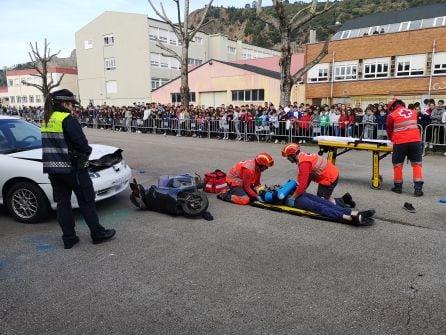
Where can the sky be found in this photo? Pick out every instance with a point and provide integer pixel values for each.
(25, 21)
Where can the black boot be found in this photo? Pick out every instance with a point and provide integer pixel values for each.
(70, 242)
(418, 189)
(397, 188)
(106, 235)
(348, 200)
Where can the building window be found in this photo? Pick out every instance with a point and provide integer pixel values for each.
(198, 40)
(157, 82)
(164, 61)
(192, 61)
(12, 99)
(174, 63)
(110, 63)
(439, 62)
(88, 44)
(404, 26)
(19, 99)
(248, 95)
(345, 34)
(415, 25)
(231, 50)
(38, 98)
(176, 97)
(25, 99)
(111, 87)
(345, 71)
(154, 59)
(413, 65)
(439, 21)
(162, 33)
(318, 73)
(11, 82)
(376, 68)
(109, 40)
(173, 38)
(31, 99)
(153, 33)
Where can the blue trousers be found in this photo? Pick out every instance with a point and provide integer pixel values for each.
(313, 203)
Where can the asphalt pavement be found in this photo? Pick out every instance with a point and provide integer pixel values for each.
(249, 271)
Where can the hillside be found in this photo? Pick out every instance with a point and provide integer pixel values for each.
(242, 24)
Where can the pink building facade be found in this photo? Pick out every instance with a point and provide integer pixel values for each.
(215, 83)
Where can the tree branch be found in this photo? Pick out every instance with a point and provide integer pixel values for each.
(298, 13)
(51, 85)
(310, 16)
(172, 53)
(39, 87)
(315, 61)
(265, 17)
(192, 34)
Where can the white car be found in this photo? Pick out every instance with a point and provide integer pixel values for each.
(27, 192)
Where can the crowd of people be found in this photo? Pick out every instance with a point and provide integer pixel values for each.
(256, 122)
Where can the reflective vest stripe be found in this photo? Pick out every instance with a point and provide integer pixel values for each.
(319, 166)
(55, 150)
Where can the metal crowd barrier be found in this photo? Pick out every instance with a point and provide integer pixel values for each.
(433, 136)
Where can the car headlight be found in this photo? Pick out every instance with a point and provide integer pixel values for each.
(94, 175)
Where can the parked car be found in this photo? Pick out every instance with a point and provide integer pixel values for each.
(27, 192)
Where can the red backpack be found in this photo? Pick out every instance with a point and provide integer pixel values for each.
(215, 182)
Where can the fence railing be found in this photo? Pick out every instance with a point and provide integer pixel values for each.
(434, 135)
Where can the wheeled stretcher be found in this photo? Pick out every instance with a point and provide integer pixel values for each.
(379, 149)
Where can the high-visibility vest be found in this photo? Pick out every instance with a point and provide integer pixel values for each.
(405, 126)
(235, 174)
(55, 157)
(322, 171)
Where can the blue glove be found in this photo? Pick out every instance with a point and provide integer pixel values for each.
(259, 198)
(290, 201)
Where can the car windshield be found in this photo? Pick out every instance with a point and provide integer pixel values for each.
(18, 135)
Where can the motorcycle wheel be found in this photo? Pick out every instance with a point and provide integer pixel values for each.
(194, 203)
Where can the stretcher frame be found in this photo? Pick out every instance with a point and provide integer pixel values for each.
(379, 149)
(300, 212)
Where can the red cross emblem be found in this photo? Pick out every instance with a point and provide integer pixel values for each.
(406, 113)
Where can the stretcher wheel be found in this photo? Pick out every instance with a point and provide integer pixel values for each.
(380, 181)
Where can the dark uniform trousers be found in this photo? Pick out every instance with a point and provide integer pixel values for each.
(80, 183)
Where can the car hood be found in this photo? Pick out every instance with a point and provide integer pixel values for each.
(99, 152)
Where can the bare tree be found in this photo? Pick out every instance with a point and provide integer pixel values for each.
(184, 34)
(40, 64)
(286, 25)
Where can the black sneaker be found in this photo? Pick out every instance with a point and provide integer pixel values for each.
(348, 200)
(368, 213)
(69, 243)
(106, 235)
(398, 188)
(409, 207)
(418, 192)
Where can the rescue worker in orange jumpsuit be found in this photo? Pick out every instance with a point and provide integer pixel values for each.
(244, 178)
(313, 167)
(402, 130)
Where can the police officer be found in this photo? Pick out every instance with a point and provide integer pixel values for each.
(402, 130)
(65, 153)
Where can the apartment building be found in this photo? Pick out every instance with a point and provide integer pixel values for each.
(23, 95)
(119, 62)
(376, 57)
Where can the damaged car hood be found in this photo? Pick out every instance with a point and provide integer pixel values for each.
(101, 155)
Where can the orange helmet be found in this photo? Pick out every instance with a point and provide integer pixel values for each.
(264, 159)
(291, 149)
(393, 102)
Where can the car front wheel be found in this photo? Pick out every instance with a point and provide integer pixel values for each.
(27, 203)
